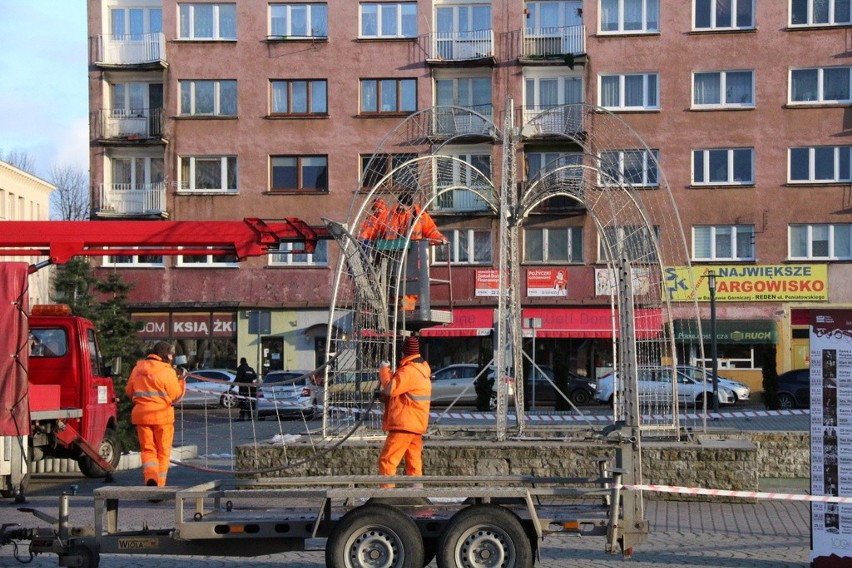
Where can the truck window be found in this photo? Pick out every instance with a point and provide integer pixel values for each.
(48, 342)
(94, 353)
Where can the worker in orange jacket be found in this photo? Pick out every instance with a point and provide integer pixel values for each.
(406, 394)
(376, 223)
(154, 387)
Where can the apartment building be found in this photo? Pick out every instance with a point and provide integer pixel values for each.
(25, 197)
(225, 110)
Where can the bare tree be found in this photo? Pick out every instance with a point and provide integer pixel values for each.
(70, 201)
(20, 159)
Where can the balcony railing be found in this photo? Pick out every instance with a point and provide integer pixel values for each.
(128, 124)
(461, 200)
(130, 49)
(550, 42)
(132, 199)
(460, 46)
(450, 122)
(553, 120)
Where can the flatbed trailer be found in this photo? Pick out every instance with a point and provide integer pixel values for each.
(460, 521)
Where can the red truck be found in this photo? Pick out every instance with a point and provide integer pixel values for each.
(70, 409)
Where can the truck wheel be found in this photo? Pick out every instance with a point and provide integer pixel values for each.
(484, 536)
(109, 450)
(374, 535)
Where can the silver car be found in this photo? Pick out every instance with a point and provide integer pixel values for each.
(456, 383)
(289, 393)
(211, 387)
(741, 391)
(655, 385)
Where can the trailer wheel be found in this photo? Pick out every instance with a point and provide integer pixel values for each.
(109, 450)
(484, 536)
(374, 536)
(85, 556)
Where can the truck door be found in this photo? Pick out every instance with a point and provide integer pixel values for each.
(98, 395)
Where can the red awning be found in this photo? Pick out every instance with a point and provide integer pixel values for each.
(467, 322)
(588, 322)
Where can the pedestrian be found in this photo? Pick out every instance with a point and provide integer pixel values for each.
(246, 376)
(154, 387)
(406, 394)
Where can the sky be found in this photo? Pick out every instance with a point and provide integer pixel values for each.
(44, 82)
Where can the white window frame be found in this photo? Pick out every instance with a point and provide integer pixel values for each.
(832, 15)
(737, 232)
(705, 152)
(723, 95)
(217, 97)
(566, 15)
(454, 249)
(838, 159)
(187, 186)
(310, 15)
(217, 22)
(650, 94)
(819, 96)
(380, 8)
(318, 258)
(551, 161)
(209, 262)
(837, 232)
(573, 239)
(150, 24)
(533, 79)
(650, 160)
(133, 262)
(645, 257)
(646, 27)
(714, 7)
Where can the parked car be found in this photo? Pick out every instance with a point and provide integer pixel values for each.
(456, 383)
(201, 390)
(794, 389)
(351, 386)
(741, 391)
(580, 390)
(655, 385)
(289, 393)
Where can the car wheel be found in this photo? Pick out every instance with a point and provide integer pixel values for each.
(228, 400)
(786, 401)
(492, 402)
(580, 396)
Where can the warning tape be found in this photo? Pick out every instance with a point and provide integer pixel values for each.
(548, 418)
(732, 493)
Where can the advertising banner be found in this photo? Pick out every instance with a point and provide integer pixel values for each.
(487, 282)
(831, 436)
(605, 281)
(547, 282)
(749, 283)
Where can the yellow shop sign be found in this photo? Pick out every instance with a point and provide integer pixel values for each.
(752, 283)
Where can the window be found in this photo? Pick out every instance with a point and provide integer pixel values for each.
(550, 245)
(208, 98)
(208, 173)
(724, 14)
(723, 166)
(467, 92)
(208, 21)
(630, 16)
(374, 168)
(635, 241)
(48, 342)
(822, 85)
(317, 258)
(299, 97)
(630, 92)
(134, 23)
(820, 12)
(390, 96)
(538, 164)
(821, 164)
(542, 93)
(299, 173)
(723, 89)
(467, 246)
(298, 20)
(827, 242)
(208, 260)
(547, 15)
(134, 261)
(723, 242)
(634, 167)
(388, 19)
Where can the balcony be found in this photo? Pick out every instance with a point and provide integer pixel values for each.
(462, 122)
(119, 125)
(145, 50)
(471, 47)
(554, 43)
(553, 121)
(132, 200)
(461, 201)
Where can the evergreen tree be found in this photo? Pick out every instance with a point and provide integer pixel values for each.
(73, 284)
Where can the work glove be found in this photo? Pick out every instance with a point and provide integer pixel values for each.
(384, 364)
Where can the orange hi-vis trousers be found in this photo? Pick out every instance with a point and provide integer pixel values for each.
(397, 445)
(155, 448)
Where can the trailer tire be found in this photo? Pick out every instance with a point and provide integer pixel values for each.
(484, 536)
(110, 451)
(374, 535)
(87, 555)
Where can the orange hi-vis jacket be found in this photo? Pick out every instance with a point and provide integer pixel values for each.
(153, 387)
(407, 394)
(400, 221)
(376, 223)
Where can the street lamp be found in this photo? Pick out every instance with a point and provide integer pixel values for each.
(711, 284)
